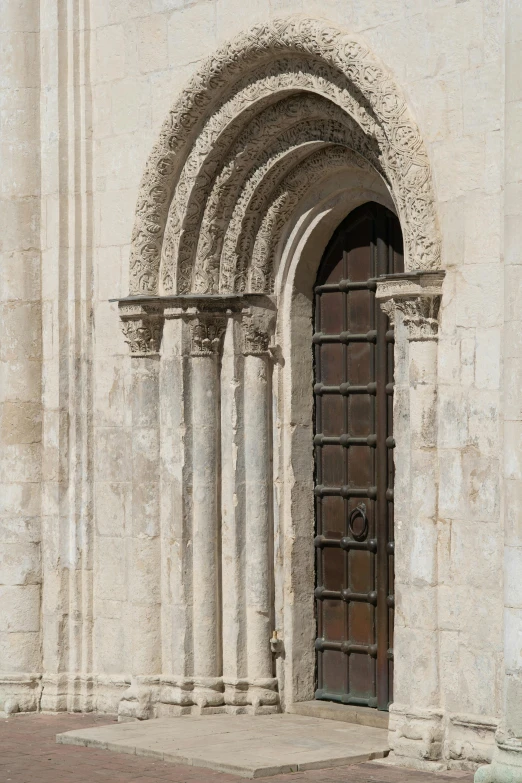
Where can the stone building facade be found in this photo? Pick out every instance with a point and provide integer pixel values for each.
(172, 173)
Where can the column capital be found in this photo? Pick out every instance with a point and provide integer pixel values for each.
(143, 318)
(256, 338)
(417, 296)
(257, 328)
(142, 327)
(206, 331)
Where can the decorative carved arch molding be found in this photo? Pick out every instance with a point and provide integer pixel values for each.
(260, 105)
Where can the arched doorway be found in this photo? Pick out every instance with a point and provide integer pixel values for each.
(353, 442)
(273, 141)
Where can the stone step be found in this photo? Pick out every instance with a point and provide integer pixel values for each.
(329, 710)
(244, 745)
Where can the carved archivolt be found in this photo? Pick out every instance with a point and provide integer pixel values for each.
(228, 144)
(278, 131)
(286, 198)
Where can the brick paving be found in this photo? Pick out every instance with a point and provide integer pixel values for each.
(29, 754)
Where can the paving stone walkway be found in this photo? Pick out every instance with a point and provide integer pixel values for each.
(29, 754)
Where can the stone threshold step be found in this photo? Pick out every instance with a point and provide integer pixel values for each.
(243, 745)
(329, 710)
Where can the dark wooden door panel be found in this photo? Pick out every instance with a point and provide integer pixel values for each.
(353, 357)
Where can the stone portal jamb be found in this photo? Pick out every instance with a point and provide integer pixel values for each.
(218, 336)
(412, 302)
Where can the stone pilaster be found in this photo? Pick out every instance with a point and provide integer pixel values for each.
(176, 502)
(20, 359)
(506, 766)
(412, 303)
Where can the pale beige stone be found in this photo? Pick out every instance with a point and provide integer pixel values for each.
(107, 461)
(110, 53)
(192, 32)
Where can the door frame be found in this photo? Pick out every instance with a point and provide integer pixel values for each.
(413, 300)
(382, 247)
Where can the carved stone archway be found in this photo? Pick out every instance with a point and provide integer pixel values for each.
(226, 133)
(220, 238)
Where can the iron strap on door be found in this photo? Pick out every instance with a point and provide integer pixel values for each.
(353, 392)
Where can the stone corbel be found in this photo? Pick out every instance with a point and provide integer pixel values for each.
(142, 326)
(417, 297)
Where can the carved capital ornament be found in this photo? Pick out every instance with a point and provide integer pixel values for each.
(419, 316)
(142, 328)
(207, 334)
(417, 297)
(256, 339)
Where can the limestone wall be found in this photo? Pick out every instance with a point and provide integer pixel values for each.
(95, 90)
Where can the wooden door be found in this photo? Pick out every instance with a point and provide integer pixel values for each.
(353, 442)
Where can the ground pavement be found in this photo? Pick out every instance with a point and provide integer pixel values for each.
(29, 754)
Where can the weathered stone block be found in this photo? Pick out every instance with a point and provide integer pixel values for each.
(20, 608)
(113, 508)
(20, 652)
(110, 572)
(20, 564)
(109, 62)
(20, 422)
(153, 52)
(113, 454)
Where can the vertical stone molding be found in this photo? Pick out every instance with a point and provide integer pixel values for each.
(20, 359)
(258, 499)
(206, 335)
(144, 561)
(412, 303)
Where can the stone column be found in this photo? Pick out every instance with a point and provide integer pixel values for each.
(258, 506)
(176, 511)
(233, 573)
(506, 766)
(412, 303)
(20, 358)
(142, 326)
(207, 331)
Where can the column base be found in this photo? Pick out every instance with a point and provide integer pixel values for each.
(20, 692)
(416, 736)
(506, 766)
(153, 697)
(67, 692)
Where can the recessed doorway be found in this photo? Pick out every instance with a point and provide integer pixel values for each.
(353, 444)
